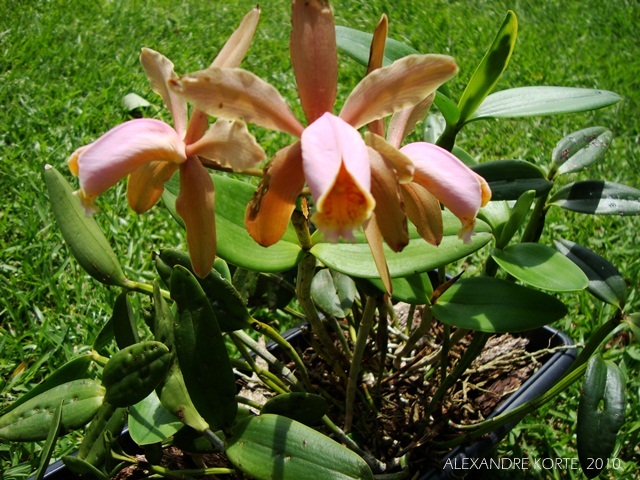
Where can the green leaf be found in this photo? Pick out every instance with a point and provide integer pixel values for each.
(508, 179)
(174, 397)
(133, 101)
(541, 266)
(490, 69)
(447, 107)
(496, 306)
(95, 448)
(81, 233)
(307, 408)
(202, 353)
(49, 444)
(82, 467)
(495, 214)
(581, 149)
(234, 243)
(633, 321)
(414, 289)
(149, 422)
(530, 101)
(605, 282)
(598, 197)
(357, 44)
(227, 303)
(74, 369)
(31, 421)
(418, 256)
(516, 218)
(273, 446)
(123, 322)
(333, 292)
(134, 372)
(600, 414)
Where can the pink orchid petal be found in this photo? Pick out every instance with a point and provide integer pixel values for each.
(268, 214)
(231, 55)
(236, 47)
(229, 144)
(314, 56)
(376, 52)
(146, 184)
(336, 166)
(404, 83)
(376, 59)
(159, 70)
(450, 181)
(374, 239)
(195, 205)
(402, 165)
(235, 93)
(389, 210)
(423, 209)
(123, 149)
(403, 122)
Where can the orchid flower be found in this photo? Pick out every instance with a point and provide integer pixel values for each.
(428, 174)
(150, 151)
(331, 156)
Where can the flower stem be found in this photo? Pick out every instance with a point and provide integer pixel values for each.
(373, 462)
(267, 356)
(274, 335)
(306, 272)
(366, 323)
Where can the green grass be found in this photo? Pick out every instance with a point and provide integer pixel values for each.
(66, 65)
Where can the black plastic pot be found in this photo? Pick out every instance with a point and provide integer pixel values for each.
(547, 375)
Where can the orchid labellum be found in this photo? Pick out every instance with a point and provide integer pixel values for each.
(150, 151)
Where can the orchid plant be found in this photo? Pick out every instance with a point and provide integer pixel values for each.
(326, 235)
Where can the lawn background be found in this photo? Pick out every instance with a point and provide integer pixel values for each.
(66, 65)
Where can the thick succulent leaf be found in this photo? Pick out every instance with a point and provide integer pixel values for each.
(447, 107)
(496, 215)
(490, 69)
(149, 421)
(303, 407)
(508, 179)
(581, 149)
(49, 444)
(605, 282)
(273, 446)
(541, 266)
(414, 289)
(600, 414)
(82, 234)
(516, 218)
(496, 306)
(202, 353)
(530, 101)
(333, 292)
(598, 197)
(234, 243)
(418, 256)
(72, 370)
